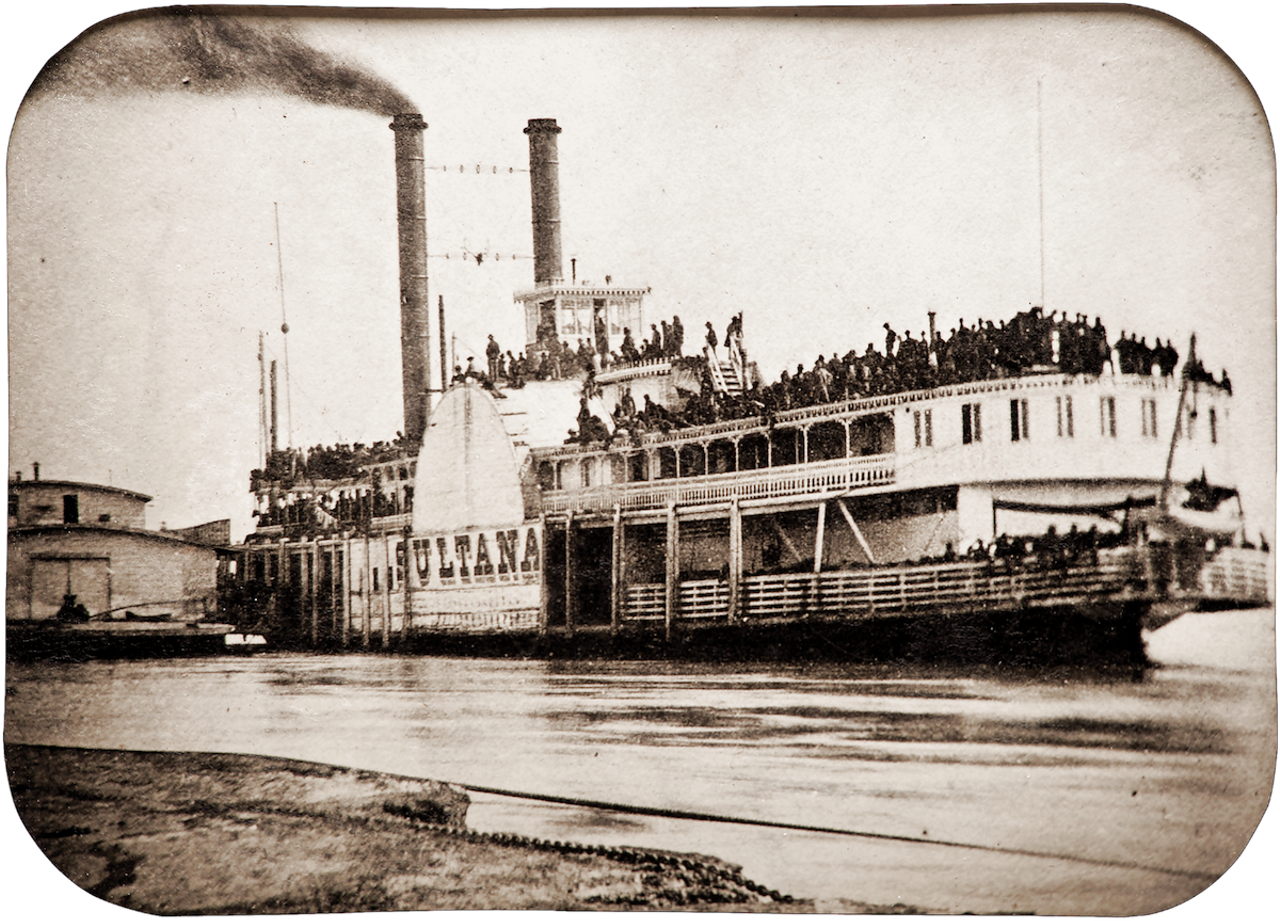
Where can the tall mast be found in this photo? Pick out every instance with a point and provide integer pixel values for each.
(284, 329)
(262, 400)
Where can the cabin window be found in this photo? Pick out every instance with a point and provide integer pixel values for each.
(13, 505)
(70, 509)
(923, 422)
(971, 423)
(720, 457)
(785, 447)
(753, 452)
(1149, 418)
(666, 463)
(546, 476)
(1066, 421)
(693, 461)
(1107, 407)
(375, 578)
(1018, 430)
(588, 470)
(827, 441)
(637, 468)
(1213, 428)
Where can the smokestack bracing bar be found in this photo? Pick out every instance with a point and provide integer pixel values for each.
(544, 181)
(415, 360)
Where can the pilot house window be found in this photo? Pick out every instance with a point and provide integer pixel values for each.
(1107, 405)
(1018, 430)
(971, 422)
(924, 428)
(1066, 423)
(1149, 418)
(71, 509)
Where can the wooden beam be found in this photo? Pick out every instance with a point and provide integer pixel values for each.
(673, 569)
(406, 584)
(817, 539)
(366, 595)
(787, 542)
(570, 606)
(735, 560)
(346, 594)
(313, 557)
(386, 591)
(857, 532)
(615, 570)
(544, 594)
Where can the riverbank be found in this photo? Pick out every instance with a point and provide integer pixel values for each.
(200, 833)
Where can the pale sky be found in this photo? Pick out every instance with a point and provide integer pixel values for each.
(823, 175)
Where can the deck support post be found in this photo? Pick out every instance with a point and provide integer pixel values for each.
(346, 594)
(406, 584)
(857, 532)
(544, 594)
(386, 592)
(366, 596)
(282, 586)
(313, 557)
(570, 603)
(818, 537)
(673, 570)
(735, 560)
(616, 575)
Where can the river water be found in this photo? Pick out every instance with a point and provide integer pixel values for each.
(1085, 793)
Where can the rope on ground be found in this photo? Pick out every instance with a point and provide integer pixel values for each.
(826, 830)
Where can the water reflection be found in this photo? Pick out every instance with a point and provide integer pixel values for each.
(1163, 772)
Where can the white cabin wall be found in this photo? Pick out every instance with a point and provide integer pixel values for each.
(1082, 449)
(973, 516)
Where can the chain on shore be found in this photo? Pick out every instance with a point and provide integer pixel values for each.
(627, 855)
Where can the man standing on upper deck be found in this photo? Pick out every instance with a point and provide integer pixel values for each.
(493, 352)
(676, 342)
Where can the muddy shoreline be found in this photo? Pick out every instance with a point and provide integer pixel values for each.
(201, 833)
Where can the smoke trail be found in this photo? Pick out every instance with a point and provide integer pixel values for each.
(181, 50)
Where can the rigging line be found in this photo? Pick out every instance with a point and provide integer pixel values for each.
(1040, 179)
(284, 330)
(792, 826)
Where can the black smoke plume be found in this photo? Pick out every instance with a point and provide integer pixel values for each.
(189, 50)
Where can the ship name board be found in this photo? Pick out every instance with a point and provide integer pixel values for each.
(501, 555)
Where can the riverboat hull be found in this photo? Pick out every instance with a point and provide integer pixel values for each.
(52, 640)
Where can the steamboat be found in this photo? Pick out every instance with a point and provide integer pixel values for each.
(1025, 491)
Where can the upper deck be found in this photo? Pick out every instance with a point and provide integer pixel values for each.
(1042, 428)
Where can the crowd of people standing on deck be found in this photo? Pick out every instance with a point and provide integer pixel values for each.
(1032, 342)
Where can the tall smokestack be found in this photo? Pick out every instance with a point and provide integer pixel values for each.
(544, 180)
(414, 306)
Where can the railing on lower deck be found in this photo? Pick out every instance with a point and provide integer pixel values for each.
(800, 479)
(1237, 574)
(857, 593)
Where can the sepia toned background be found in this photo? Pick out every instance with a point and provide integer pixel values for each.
(823, 178)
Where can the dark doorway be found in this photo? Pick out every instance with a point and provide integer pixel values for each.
(592, 575)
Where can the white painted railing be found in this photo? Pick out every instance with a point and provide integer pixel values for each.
(797, 480)
(859, 593)
(1237, 574)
